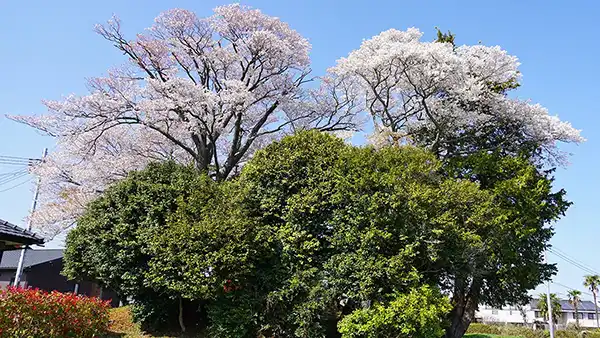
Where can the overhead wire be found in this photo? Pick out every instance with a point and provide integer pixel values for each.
(14, 160)
(16, 185)
(21, 167)
(564, 254)
(570, 288)
(569, 259)
(11, 173)
(573, 262)
(13, 177)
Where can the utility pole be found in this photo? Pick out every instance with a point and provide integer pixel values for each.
(548, 300)
(33, 205)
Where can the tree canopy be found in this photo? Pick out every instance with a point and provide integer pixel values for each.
(319, 238)
(211, 91)
(555, 305)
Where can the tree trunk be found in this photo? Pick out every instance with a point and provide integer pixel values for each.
(464, 306)
(576, 317)
(181, 315)
(596, 308)
(457, 328)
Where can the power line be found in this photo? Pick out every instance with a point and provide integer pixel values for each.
(573, 259)
(22, 163)
(574, 262)
(16, 185)
(15, 157)
(19, 161)
(13, 178)
(10, 173)
(569, 288)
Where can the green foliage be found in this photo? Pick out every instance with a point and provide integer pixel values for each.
(592, 282)
(506, 330)
(526, 332)
(356, 225)
(512, 246)
(227, 262)
(312, 232)
(111, 241)
(484, 329)
(445, 37)
(575, 300)
(418, 314)
(555, 305)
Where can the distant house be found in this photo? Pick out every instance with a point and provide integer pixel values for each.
(41, 269)
(530, 313)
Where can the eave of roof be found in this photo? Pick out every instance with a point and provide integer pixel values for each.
(12, 236)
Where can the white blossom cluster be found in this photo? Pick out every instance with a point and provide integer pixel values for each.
(408, 86)
(211, 91)
(207, 91)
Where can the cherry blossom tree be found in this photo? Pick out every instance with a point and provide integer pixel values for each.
(454, 100)
(444, 97)
(204, 91)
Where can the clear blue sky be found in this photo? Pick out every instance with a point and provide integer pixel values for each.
(48, 48)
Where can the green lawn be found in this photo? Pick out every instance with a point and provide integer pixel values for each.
(481, 335)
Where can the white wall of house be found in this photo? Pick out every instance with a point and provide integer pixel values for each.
(586, 319)
(507, 314)
(511, 315)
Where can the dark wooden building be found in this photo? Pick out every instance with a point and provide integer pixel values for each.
(41, 269)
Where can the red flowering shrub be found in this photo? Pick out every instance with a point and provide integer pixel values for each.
(36, 313)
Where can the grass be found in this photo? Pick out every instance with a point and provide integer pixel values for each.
(122, 326)
(481, 335)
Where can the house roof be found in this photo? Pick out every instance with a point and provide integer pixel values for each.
(584, 305)
(12, 236)
(10, 259)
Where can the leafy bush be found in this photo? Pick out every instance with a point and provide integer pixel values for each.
(483, 328)
(35, 313)
(311, 232)
(418, 314)
(519, 331)
(111, 241)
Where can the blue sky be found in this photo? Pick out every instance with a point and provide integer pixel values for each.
(48, 48)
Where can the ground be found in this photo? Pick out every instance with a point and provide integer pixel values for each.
(122, 326)
(480, 335)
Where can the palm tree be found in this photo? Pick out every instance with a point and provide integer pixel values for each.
(556, 308)
(592, 282)
(575, 299)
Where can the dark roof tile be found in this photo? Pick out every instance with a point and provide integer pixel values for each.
(10, 259)
(9, 229)
(584, 305)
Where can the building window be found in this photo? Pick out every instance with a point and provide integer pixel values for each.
(494, 311)
(579, 314)
(538, 314)
(591, 316)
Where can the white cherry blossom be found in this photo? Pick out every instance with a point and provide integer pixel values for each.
(207, 91)
(412, 87)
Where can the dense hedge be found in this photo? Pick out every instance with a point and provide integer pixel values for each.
(35, 313)
(526, 332)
